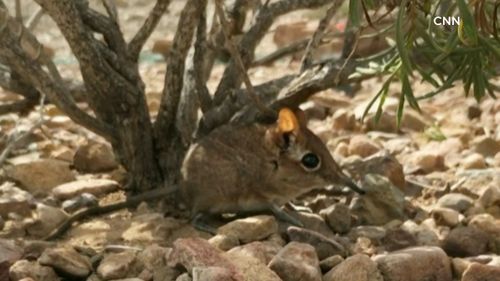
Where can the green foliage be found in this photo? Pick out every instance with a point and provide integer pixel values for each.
(440, 55)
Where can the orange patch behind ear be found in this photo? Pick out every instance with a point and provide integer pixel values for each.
(287, 121)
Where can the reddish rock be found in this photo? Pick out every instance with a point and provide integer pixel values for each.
(356, 268)
(197, 252)
(262, 251)
(297, 262)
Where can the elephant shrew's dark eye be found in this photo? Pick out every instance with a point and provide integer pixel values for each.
(310, 161)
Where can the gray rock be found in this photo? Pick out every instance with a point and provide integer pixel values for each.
(153, 257)
(466, 241)
(488, 224)
(14, 200)
(67, 261)
(31, 269)
(262, 251)
(250, 267)
(363, 146)
(382, 163)
(310, 221)
(116, 266)
(338, 217)
(4, 270)
(415, 264)
(397, 239)
(445, 216)
(83, 200)
(455, 201)
(323, 245)
(211, 273)
(297, 261)
(355, 268)
(480, 272)
(224, 242)
(47, 219)
(9, 251)
(490, 196)
(486, 145)
(382, 203)
(184, 277)
(93, 186)
(425, 236)
(330, 262)
(374, 233)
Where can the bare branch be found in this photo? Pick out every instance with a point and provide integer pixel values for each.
(237, 59)
(308, 83)
(16, 137)
(175, 62)
(111, 9)
(238, 100)
(19, 12)
(200, 62)
(17, 106)
(232, 78)
(149, 25)
(283, 52)
(35, 19)
(105, 26)
(318, 34)
(21, 55)
(171, 147)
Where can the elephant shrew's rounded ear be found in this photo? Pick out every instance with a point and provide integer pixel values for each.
(287, 121)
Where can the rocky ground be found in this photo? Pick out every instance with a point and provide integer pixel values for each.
(431, 212)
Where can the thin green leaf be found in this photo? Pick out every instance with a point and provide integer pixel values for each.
(400, 37)
(355, 13)
(491, 47)
(379, 93)
(407, 91)
(378, 114)
(427, 76)
(400, 110)
(469, 27)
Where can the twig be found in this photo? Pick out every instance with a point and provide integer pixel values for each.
(349, 56)
(19, 12)
(16, 137)
(287, 50)
(200, 62)
(18, 106)
(318, 34)
(239, 62)
(165, 124)
(142, 35)
(111, 9)
(293, 48)
(35, 19)
(105, 26)
(27, 60)
(231, 79)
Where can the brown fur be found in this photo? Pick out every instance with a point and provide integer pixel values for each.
(248, 168)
